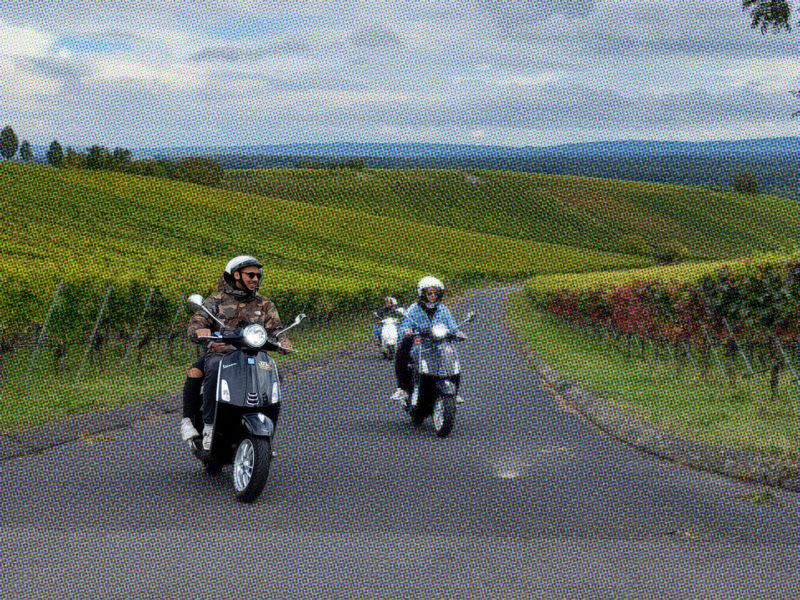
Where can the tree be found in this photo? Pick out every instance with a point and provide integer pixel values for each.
(55, 154)
(25, 150)
(8, 143)
(746, 182)
(98, 157)
(769, 14)
(121, 157)
(74, 159)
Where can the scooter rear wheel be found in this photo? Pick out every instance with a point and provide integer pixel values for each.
(251, 467)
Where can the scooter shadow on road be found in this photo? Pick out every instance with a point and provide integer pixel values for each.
(398, 426)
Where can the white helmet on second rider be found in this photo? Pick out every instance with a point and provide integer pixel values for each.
(428, 282)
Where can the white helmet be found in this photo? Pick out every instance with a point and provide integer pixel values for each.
(240, 262)
(429, 282)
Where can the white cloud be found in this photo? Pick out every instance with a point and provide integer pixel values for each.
(173, 76)
(18, 84)
(489, 70)
(23, 41)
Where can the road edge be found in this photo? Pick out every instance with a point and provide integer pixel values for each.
(635, 430)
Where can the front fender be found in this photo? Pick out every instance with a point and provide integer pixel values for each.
(446, 387)
(258, 424)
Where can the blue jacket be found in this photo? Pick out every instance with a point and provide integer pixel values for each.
(416, 318)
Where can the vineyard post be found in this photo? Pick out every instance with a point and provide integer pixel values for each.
(168, 341)
(42, 335)
(94, 333)
(739, 348)
(795, 378)
(712, 348)
(138, 328)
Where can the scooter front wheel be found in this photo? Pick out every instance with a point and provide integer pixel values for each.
(444, 415)
(251, 467)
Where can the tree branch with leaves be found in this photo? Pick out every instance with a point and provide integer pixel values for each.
(769, 14)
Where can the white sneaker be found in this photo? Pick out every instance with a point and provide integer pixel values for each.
(208, 433)
(400, 395)
(459, 399)
(188, 432)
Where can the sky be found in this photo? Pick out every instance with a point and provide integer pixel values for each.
(166, 73)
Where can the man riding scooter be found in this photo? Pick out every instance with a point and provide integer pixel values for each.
(238, 304)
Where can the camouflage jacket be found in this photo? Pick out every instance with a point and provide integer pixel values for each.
(235, 308)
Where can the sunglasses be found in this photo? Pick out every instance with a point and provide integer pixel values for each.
(254, 275)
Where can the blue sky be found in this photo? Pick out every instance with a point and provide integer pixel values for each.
(508, 72)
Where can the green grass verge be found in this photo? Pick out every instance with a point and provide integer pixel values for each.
(50, 393)
(697, 403)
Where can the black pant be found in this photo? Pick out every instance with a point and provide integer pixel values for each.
(192, 394)
(401, 364)
(402, 368)
(210, 375)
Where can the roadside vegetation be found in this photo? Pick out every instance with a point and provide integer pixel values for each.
(95, 265)
(709, 351)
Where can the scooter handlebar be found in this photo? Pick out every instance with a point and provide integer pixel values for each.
(234, 336)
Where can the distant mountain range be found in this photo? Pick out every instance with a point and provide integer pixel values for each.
(762, 146)
(767, 146)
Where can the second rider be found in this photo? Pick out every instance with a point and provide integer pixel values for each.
(422, 315)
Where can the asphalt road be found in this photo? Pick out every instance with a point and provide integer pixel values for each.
(521, 501)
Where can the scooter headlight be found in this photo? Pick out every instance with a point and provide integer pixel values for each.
(254, 336)
(439, 331)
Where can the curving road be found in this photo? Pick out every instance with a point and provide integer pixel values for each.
(522, 501)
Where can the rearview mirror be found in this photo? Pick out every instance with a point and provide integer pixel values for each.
(299, 318)
(470, 317)
(196, 300)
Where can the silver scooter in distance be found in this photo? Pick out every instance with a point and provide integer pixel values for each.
(248, 400)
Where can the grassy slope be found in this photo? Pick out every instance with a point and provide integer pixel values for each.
(59, 223)
(630, 217)
(693, 402)
(69, 224)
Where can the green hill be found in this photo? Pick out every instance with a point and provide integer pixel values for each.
(84, 226)
(620, 216)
